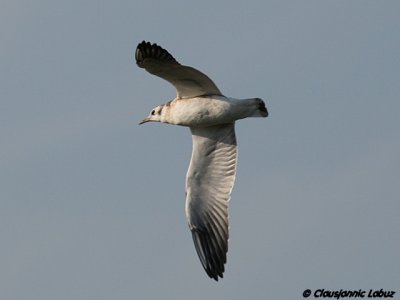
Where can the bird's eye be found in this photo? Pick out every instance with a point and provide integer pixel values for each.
(153, 112)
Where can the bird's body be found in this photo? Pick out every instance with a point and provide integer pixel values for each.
(208, 110)
(211, 117)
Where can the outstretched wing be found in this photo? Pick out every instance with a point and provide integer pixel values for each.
(209, 183)
(188, 81)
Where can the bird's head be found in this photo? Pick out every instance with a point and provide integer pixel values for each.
(154, 116)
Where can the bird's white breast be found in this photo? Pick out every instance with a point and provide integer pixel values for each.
(206, 111)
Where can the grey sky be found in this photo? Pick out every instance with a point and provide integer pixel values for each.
(92, 205)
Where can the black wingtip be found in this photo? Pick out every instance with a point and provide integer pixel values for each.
(146, 50)
(212, 264)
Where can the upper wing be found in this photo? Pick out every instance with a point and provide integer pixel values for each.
(209, 183)
(188, 81)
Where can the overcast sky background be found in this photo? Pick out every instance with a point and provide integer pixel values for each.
(92, 205)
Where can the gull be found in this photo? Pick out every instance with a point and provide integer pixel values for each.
(211, 117)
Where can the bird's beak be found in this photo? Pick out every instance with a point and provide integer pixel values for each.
(144, 121)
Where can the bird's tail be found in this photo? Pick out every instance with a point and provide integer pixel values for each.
(261, 109)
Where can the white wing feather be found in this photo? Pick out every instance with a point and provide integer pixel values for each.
(188, 81)
(209, 183)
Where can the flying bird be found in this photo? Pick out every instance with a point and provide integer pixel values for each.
(211, 116)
